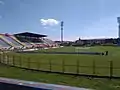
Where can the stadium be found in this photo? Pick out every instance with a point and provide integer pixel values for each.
(33, 53)
(24, 41)
(59, 45)
(96, 58)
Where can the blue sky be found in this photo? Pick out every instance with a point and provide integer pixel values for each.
(82, 18)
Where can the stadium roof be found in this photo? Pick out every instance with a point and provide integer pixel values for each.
(30, 34)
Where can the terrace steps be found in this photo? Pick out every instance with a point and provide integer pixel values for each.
(6, 41)
(12, 41)
(17, 40)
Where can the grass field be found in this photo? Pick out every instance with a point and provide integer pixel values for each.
(71, 61)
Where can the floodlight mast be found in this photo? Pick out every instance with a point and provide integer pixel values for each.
(62, 30)
(118, 19)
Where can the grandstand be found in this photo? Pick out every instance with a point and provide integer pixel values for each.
(4, 44)
(35, 40)
(24, 41)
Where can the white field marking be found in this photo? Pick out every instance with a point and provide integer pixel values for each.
(77, 49)
(30, 49)
(46, 48)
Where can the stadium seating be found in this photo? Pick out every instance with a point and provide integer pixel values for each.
(14, 38)
(27, 44)
(5, 40)
(49, 42)
(40, 44)
(12, 42)
(4, 44)
(15, 43)
(8, 43)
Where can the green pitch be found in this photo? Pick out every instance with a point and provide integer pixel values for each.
(102, 63)
(85, 63)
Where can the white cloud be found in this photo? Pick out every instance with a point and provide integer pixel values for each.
(49, 22)
(1, 2)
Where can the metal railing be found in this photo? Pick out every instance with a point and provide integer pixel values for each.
(93, 70)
